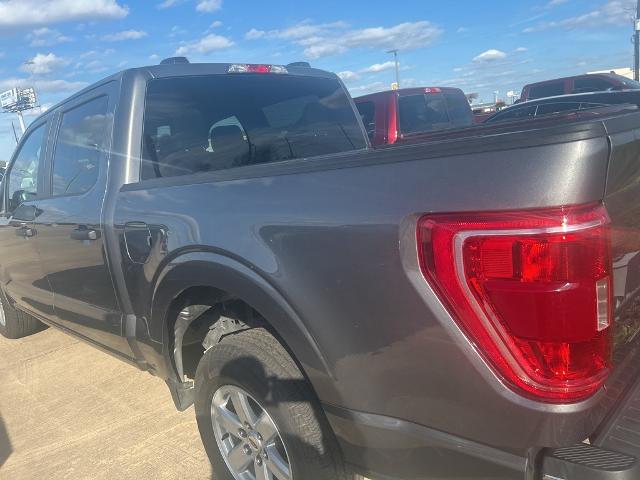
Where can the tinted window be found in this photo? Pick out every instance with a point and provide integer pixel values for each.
(591, 84)
(627, 82)
(557, 107)
(513, 113)
(225, 121)
(368, 113)
(459, 109)
(423, 113)
(550, 89)
(82, 138)
(23, 176)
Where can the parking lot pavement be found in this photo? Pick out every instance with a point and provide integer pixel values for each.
(69, 411)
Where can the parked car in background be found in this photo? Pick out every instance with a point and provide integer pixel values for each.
(397, 115)
(594, 82)
(566, 104)
(452, 309)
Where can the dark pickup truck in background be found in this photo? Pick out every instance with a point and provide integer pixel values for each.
(462, 308)
(591, 82)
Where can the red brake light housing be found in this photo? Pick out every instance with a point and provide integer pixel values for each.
(531, 290)
(256, 68)
(432, 90)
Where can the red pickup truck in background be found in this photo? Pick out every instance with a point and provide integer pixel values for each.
(394, 116)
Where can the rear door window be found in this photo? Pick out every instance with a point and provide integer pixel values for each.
(550, 89)
(557, 107)
(81, 140)
(514, 113)
(226, 121)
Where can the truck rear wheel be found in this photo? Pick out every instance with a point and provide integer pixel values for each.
(258, 416)
(14, 323)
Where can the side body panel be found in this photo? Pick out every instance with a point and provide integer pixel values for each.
(335, 238)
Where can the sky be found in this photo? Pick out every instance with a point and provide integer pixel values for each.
(61, 46)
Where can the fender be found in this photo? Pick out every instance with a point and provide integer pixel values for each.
(209, 269)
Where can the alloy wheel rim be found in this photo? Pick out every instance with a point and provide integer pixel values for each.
(247, 437)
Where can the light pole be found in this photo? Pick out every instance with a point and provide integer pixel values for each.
(636, 35)
(395, 59)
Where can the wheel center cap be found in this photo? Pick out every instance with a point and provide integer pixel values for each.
(254, 441)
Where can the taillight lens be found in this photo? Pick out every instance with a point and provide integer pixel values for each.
(531, 290)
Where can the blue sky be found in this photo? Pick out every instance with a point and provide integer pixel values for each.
(60, 46)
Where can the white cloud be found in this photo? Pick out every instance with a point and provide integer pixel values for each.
(379, 67)
(462, 30)
(322, 40)
(555, 3)
(209, 6)
(24, 13)
(46, 37)
(614, 12)
(368, 88)
(490, 55)
(124, 35)
(348, 76)
(521, 50)
(216, 24)
(254, 34)
(94, 66)
(154, 57)
(169, 4)
(42, 85)
(205, 45)
(42, 64)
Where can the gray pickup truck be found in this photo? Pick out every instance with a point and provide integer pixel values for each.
(464, 308)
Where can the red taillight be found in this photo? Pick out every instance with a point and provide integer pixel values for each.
(432, 90)
(531, 290)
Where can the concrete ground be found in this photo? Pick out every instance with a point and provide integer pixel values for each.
(69, 411)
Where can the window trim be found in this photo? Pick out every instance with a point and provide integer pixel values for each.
(41, 178)
(55, 135)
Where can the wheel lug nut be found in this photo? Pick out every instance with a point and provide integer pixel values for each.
(246, 449)
(259, 461)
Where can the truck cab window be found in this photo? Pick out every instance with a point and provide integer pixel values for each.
(548, 89)
(81, 141)
(423, 113)
(226, 121)
(23, 175)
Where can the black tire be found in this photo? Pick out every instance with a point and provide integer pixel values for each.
(257, 363)
(15, 323)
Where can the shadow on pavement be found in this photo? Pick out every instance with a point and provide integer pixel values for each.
(5, 444)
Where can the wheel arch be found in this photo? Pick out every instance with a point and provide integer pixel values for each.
(230, 277)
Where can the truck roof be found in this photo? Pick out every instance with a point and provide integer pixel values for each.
(188, 69)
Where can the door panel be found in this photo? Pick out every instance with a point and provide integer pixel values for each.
(21, 271)
(69, 238)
